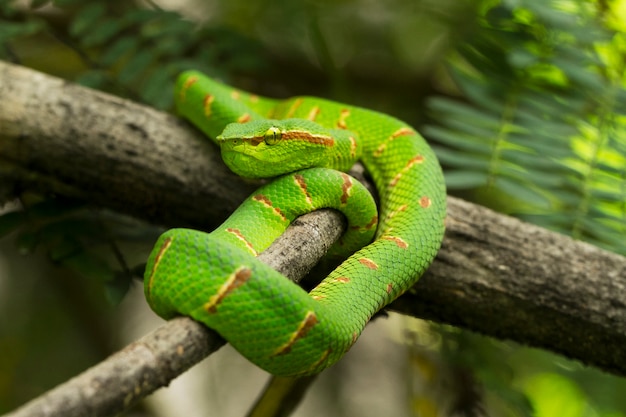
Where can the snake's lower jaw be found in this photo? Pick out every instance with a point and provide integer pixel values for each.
(241, 165)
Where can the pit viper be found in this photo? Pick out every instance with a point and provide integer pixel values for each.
(214, 277)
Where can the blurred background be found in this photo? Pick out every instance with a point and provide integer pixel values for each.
(523, 101)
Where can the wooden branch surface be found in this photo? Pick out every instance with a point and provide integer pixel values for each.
(494, 274)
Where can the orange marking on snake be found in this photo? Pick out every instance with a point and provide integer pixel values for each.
(308, 137)
(389, 288)
(343, 115)
(206, 104)
(368, 263)
(241, 237)
(425, 202)
(244, 118)
(353, 146)
(403, 131)
(186, 85)
(301, 183)
(372, 223)
(355, 336)
(313, 113)
(417, 159)
(318, 297)
(398, 241)
(346, 187)
(293, 108)
(267, 203)
(235, 95)
(254, 98)
(157, 259)
(234, 281)
(326, 282)
(304, 327)
(396, 211)
(321, 360)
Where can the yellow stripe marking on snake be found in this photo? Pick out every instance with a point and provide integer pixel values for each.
(368, 263)
(403, 131)
(267, 203)
(372, 223)
(418, 159)
(340, 280)
(313, 113)
(244, 118)
(186, 85)
(346, 188)
(237, 233)
(401, 243)
(301, 183)
(206, 104)
(297, 103)
(353, 146)
(343, 115)
(320, 361)
(157, 259)
(305, 326)
(395, 212)
(234, 281)
(308, 137)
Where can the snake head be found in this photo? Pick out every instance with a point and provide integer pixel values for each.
(267, 148)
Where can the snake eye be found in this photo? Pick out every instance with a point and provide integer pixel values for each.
(272, 136)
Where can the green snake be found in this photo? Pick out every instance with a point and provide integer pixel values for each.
(215, 278)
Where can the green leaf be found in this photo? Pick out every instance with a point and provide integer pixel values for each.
(102, 33)
(459, 140)
(156, 82)
(462, 159)
(87, 18)
(135, 66)
(523, 192)
(465, 179)
(121, 48)
(451, 108)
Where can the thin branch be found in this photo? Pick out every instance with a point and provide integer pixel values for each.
(152, 362)
(494, 274)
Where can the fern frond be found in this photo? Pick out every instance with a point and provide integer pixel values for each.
(537, 129)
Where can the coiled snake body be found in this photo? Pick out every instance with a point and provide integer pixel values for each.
(214, 277)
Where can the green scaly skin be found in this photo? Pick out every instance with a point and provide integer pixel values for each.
(215, 279)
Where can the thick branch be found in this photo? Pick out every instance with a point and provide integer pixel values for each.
(494, 274)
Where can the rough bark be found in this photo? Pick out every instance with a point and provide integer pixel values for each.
(494, 274)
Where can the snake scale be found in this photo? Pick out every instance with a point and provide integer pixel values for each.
(214, 277)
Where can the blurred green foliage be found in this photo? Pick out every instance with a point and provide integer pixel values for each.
(523, 101)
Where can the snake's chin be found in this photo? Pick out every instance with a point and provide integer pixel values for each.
(248, 166)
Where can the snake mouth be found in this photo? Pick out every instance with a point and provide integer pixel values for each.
(248, 165)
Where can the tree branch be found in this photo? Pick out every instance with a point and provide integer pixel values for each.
(152, 362)
(494, 274)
